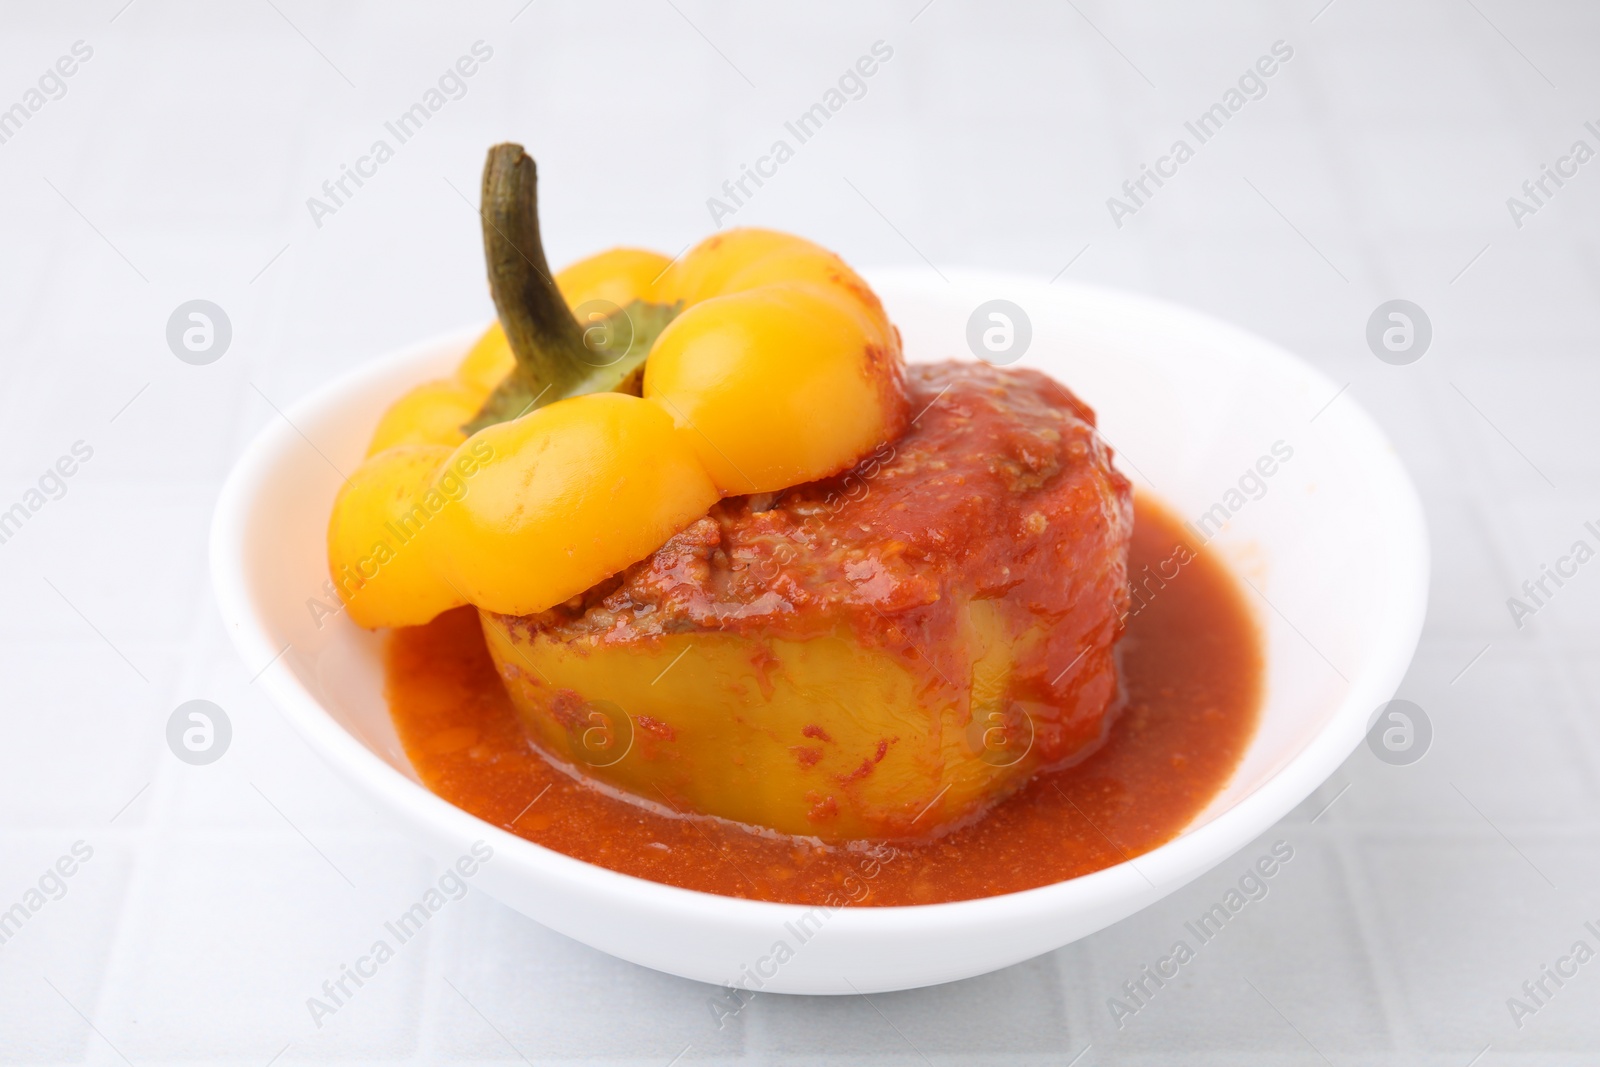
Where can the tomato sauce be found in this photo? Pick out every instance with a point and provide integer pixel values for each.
(1191, 672)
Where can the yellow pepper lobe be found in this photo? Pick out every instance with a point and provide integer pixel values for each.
(430, 414)
(619, 276)
(746, 258)
(487, 362)
(574, 492)
(801, 263)
(710, 268)
(777, 385)
(380, 539)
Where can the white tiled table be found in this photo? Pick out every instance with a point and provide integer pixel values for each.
(1377, 165)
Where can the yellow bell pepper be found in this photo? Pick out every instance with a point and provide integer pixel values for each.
(757, 361)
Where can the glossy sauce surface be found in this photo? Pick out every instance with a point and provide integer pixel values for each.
(1191, 669)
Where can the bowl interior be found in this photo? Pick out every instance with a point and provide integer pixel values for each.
(1331, 545)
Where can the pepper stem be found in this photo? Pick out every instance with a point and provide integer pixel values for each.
(555, 358)
(546, 340)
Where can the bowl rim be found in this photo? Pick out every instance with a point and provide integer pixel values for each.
(1193, 851)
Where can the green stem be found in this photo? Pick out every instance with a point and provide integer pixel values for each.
(553, 360)
(545, 338)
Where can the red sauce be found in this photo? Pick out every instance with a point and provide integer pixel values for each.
(1191, 669)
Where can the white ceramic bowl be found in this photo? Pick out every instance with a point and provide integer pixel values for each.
(1335, 548)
